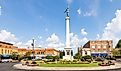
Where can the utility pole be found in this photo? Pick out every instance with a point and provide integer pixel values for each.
(33, 47)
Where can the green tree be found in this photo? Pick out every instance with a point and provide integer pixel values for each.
(14, 56)
(28, 54)
(56, 57)
(87, 57)
(115, 52)
(61, 54)
(118, 44)
(20, 57)
(77, 56)
(49, 57)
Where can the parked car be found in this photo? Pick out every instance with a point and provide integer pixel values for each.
(6, 60)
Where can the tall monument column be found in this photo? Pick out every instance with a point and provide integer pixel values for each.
(67, 49)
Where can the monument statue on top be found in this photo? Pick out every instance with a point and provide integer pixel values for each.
(67, 11)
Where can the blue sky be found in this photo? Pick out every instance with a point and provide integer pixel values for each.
(44, 20)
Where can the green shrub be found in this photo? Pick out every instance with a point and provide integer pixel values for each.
(86, 58)
(75, 60)
(49, 57)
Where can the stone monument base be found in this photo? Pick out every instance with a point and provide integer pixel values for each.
(68, 57)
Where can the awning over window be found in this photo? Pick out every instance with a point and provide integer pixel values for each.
(99, 54)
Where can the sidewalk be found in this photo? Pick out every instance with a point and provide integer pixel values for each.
(25, 67)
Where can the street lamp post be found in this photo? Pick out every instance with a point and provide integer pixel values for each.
(33, 47)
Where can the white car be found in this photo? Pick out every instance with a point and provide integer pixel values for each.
(6, 60)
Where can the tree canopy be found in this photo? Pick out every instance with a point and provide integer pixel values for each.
(118, 44)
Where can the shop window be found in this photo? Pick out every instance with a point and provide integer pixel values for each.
(93, 46)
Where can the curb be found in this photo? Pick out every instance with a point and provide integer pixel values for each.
(36, 68)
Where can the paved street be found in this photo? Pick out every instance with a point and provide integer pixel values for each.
(8, 67)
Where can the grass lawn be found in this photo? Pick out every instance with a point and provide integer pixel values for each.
(70, 65)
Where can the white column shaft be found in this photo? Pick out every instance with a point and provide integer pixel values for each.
(67, 32)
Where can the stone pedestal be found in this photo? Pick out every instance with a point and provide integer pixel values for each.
(68, 54)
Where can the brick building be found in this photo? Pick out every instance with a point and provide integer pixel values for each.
(98, 48)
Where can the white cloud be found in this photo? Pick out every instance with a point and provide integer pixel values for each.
(76, 41)
(39, 45)
(7, 36)
(79, 11)
(90, 13)
(39, 37)
(69, 1)
(112, 30)
(84, 40)
(56, 45)
(29, 42)
(19, 45)
(54, 41)
(53, 38)
(83, 32)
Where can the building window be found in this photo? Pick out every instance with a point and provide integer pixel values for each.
(93, 46)
(8, 51)
(99, 46)
(5, 51)
(9, 46)
(99, 50)
(2, 51)
(104, 51)
(104, 46)
(38, 53)
(11, 51)
(85, 52)
(42, 52)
